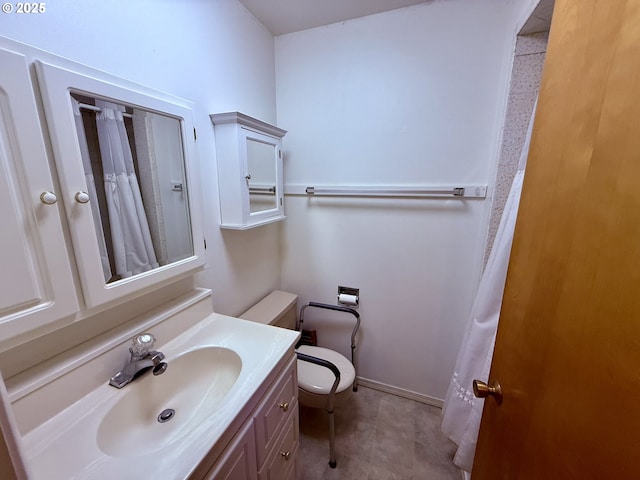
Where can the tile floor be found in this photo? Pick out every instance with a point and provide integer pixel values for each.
(379, 436)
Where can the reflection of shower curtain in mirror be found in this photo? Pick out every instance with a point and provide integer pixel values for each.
(132, 245)
(91, 189)
(462, 411)
(148, 171)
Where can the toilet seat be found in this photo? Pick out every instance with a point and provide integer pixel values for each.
(319, 380)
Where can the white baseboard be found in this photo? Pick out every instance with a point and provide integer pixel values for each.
(400, 392)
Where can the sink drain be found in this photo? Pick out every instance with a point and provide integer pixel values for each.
(166, 415)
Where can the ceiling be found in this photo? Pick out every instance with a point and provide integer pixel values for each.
(540, 19)
(286, 16)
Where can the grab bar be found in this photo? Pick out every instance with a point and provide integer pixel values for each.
(390, 192)
(416, 191)
(335, 307)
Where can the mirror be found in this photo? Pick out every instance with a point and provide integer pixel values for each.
(261, 165)
(134, 169)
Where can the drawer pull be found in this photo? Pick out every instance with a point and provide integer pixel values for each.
(285, 455)
(284, 406)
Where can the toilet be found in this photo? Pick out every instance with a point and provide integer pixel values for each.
(279, 308)
(321, 371)
(315, 382)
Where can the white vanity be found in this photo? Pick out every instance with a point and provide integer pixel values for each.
(232, 384)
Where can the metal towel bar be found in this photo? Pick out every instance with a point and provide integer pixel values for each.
(466, 191)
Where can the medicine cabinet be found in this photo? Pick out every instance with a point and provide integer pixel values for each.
(123, 154)
(70, 241)
(250, 178)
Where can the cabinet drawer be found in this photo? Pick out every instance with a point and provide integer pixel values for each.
(281, 463)
(277, 408)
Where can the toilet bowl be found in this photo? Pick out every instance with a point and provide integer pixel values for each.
(315, 382)
(279, 308)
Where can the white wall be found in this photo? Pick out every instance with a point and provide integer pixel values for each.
(213, 53)
(412, 96)
(407, 97)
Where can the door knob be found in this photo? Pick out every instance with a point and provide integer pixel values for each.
(482, 390)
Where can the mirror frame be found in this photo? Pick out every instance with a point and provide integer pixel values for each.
(57, 84)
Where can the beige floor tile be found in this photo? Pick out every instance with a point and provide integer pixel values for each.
(379, 436)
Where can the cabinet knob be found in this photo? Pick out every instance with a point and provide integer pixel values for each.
(248, 176)
(82, 197)
(285, 455)
(48, 198)
(284, 406)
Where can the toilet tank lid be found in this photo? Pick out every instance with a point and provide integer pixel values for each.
(271, 308)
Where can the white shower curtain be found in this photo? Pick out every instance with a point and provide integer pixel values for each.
(91, 189)
(462, 411)
(132, 245)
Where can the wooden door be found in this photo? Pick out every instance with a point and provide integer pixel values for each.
(568, 346)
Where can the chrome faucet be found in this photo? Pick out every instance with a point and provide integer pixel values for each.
(143, 357)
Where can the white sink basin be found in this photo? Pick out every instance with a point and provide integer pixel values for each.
(193, 386)
(215, 369)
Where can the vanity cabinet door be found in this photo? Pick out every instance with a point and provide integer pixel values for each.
(281, 463)
(276, 410)
(37, 284)
(238, 462)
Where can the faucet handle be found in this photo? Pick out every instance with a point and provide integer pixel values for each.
(142, 344)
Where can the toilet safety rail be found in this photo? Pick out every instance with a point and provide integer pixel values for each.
(338, 308)
(332, 429)
(333, 368)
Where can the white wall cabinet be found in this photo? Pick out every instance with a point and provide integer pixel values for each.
(77, 190)
(266, 445)
(250, 171)
(37, 281)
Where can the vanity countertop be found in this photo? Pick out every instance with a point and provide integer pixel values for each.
(67, 446)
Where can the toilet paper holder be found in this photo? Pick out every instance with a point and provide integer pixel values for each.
(348, 296)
